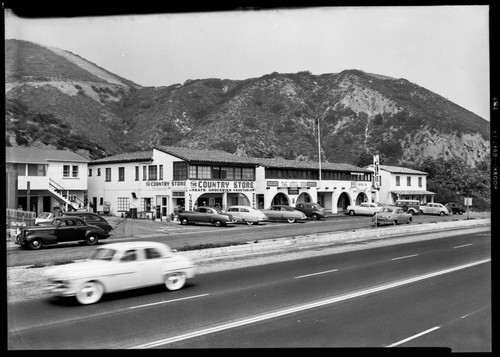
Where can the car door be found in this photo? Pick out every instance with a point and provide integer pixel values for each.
(66, 231)
(235, 212)
(127, 272)
(151, 266)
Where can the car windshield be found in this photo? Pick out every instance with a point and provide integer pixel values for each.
(386, 209)
(44, 215)
(102, 254)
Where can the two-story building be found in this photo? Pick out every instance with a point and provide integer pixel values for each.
(46, 180)
(400, 183)
(154, 182)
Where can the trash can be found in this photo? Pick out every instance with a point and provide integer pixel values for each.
(133, 213)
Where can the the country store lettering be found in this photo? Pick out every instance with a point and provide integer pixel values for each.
(222, 186)
(166, 184)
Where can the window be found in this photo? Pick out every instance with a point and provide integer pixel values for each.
(90, 172)
(419, 182)
(204, 172)
(75, 171)
(180, 171)
(397, 181)
(153, 172)
(161, 173)
(65, 170)
(98, 172)
(123, 204)
(152, 253)
(144, 173)
(36, 170)
(248, 174)
(121, 174)
(408, 180)
(137, 173)
(129, 256)
(108, 173)
(101, 200)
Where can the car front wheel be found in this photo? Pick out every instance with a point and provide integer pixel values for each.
(91, 239)
(175, 281)
(315, 217)
(441, 213)
(217, 223)
(291, 220)
(351, 213)
(35, 244)
(90, 293)
(184, 221)
(250, 223)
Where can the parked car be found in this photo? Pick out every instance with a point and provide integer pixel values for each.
(455, 208)
(391, 215)
(44, 217)
(247, 214)
(206, 214)
(434, 208)
(365, 208)
(117, 267)
(60, 229)
(410, 206)
(92, 218)
(312, 210)
(283, 212)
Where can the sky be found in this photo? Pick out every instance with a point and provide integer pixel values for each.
(442, 48)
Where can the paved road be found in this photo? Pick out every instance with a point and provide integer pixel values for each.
(355, 299)
(178, 236)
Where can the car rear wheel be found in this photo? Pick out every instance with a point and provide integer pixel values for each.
(250, 223)
(441, 213)
(91, 239)
(291, 220)
(90, 293)
(184, 221)
(351, 213)
(35, 244)
(175, 281)
(315, 216)
(217, 223)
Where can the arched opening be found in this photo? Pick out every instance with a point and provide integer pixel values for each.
(304, 197)
(280, 199)
(362, 197)
(343, 201)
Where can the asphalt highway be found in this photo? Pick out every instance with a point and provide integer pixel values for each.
(429, 293)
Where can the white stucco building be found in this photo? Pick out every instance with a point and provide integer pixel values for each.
(153, 182)
(401, 183)
(52, 179)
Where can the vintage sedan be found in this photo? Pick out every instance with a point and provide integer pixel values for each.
(247, 214)
(92, 218)
(365, 208)
(283, 212)
(391, 215)
(60, 230)
(118, 267)
(434, 208)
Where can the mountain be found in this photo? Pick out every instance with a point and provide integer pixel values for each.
(58, 99)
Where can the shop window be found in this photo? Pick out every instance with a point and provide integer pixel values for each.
(123, 204)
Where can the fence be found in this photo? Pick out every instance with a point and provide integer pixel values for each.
(19, 217)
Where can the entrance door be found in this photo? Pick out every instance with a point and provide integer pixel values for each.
(161, 206)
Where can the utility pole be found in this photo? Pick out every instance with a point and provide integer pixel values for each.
(319, 153)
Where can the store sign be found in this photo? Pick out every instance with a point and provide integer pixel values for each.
(222, 186)
(166, 184)
(298, 184)
(376, 173)
(293, 191)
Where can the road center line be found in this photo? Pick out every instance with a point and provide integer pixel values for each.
(406, 256)
(321, 272)
(303, 307)
(461, 246)
(413, 337)
(167, 301)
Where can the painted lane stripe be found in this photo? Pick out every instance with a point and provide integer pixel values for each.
(167, 301)
(303, 307)
(461, 246)
(406, 256)
(321, 272)
(413, 337)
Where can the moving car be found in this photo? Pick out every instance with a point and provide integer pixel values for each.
(247, 214)
(44, 217)
(434, 208)
(391, 215)
(92, 218)
(365, 208)
(117, 267)
(410, 206)
(312, 210)
(455, 207)
(283, 212)
(59, 230)
(206, 214)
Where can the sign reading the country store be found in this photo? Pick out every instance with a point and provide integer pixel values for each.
(166, 184)
(222, 186)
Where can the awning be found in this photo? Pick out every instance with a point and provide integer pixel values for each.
(413, 192)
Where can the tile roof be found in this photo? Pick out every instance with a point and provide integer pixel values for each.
(212, 156)
(40, 156)
(136, 156)
(399, 170)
